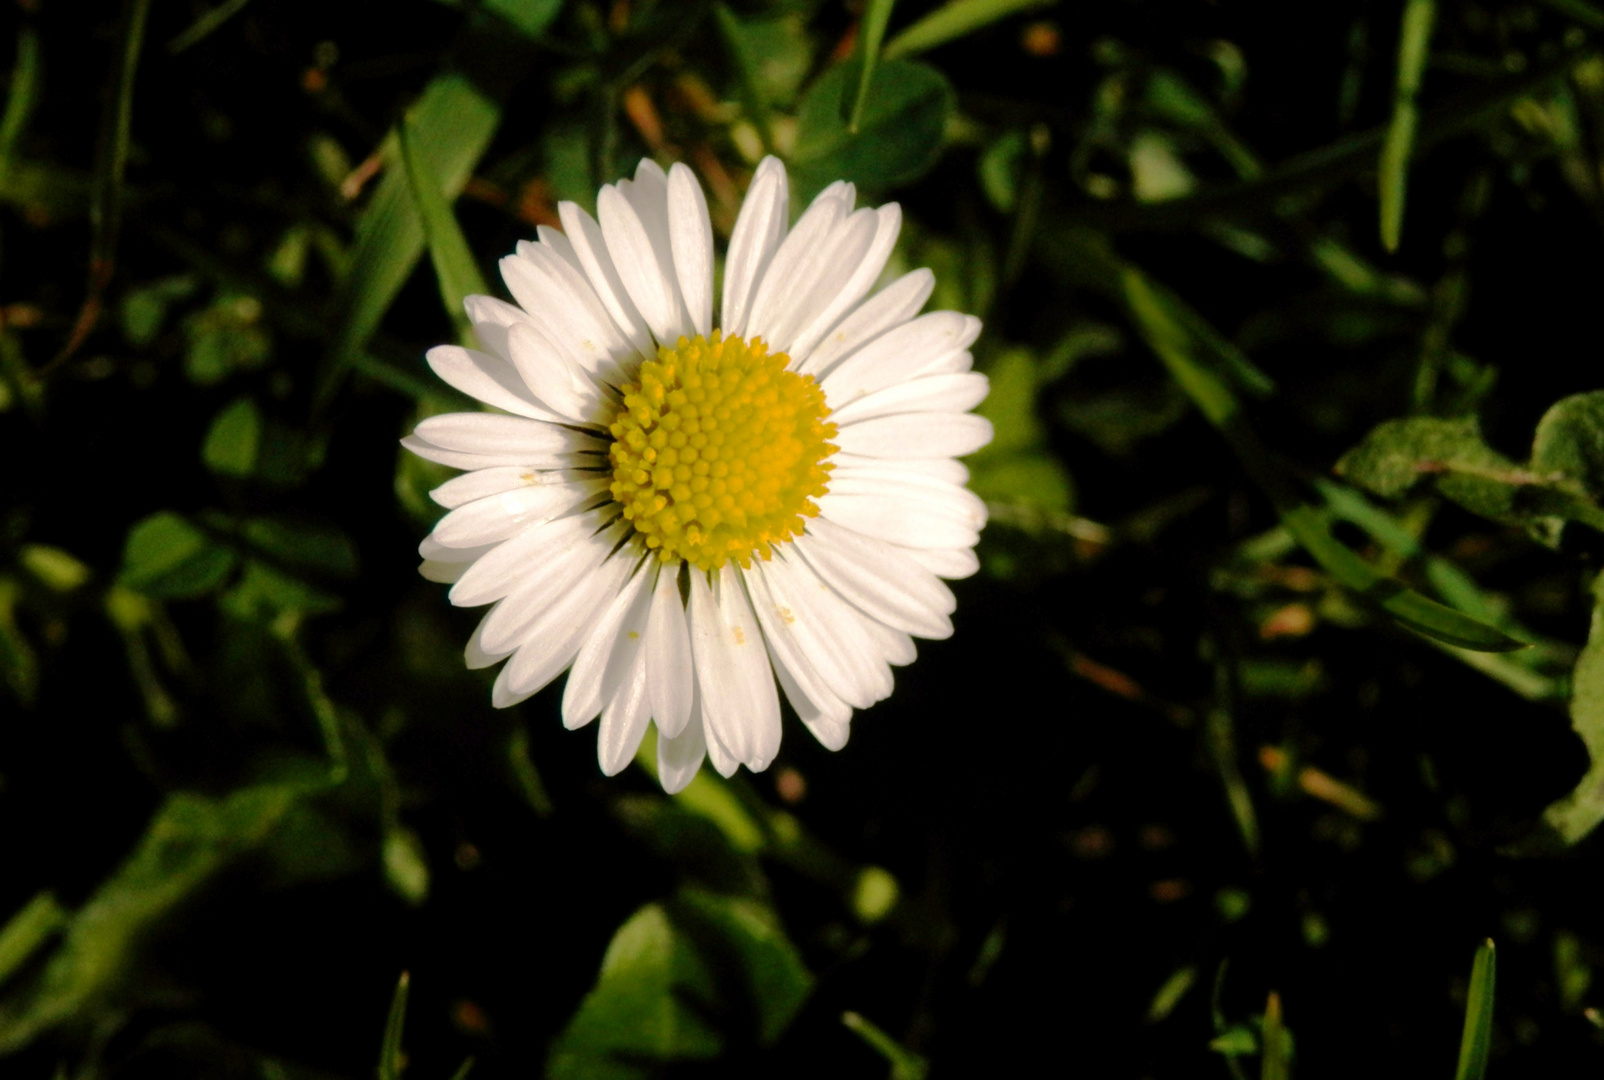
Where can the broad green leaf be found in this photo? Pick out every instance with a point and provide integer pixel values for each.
(772, 56)
(264, 592)
(756, 967)
(312, 546)
(453, 123)
(643, 1009)
(871, 32)
(454, 266)
(191, 838)
(57, 570)
(169, 557)
(1213, 397)
(1413, 41)
(530, 17)
(1476, 1043)
(1569, 446)
(234, 440)
(1574, 816)
(898, 136)
(953, 20)
(1010, 405)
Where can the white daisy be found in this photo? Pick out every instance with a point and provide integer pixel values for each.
(680, 510)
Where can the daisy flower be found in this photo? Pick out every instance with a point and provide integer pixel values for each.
(681, 510)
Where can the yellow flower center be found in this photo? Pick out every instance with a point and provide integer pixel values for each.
(719, 452)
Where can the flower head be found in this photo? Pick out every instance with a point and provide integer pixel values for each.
(680, 511)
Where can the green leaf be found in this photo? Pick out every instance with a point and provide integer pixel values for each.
(1569, 445)
(954, 20)
(871, 32)
(169, 557)
(28, 931)
(311, 546)
(529, 17)
(406, 865)
(189, 841)
(265, 592)
(1213, 397)
(452, 123)
(669, 968)
(905, 1064)
(1576, 815)
(898, 136)
(454, 265)
(1476, 1043)
(1277, 1053)
(1002, 166)
(1414, 37)
(234, 440)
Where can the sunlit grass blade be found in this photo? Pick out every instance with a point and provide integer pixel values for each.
(454, 266)
(1168, 338)
(27, 931)
(746, 69)
(1477, 1040)
(452, 124)
(1418, 15)
(905, 1064)
(871, 33)
(1275, 1055)
(390, 1047)
(954, 20)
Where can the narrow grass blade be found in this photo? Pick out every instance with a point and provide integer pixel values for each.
(905, 1064)
(452, 124)
(201, 28)
(1418, 15)
(1478, 1037)
(27, 931)
(1310, 526)
(23, 96)
(390, 1048)
(1276, 1053)
(454, 267)
(955, 20)
(871, 32)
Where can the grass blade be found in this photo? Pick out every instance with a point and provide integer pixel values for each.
(1477, 1040)
(27, 931)
(1310, 526)
(871, 32)
(1276, 1053)
(390, 1048)
(20, 101)
(905, 1064)
(202, 27)
(746, 67)
(1418, 15)
(955, 20)
(454, 265)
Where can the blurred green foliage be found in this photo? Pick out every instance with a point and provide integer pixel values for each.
(1280, 689)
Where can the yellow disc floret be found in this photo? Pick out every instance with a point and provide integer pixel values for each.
(718, 451)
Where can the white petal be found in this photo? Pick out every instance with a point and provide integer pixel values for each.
(690, 233)
(916, 435)
(816, 279)
(442, 572)
(554, 638)
(527, 557)
(487, 378)
(643, 256)
(909, 522)
(808, 694)
(899, 354)
(864, 273)
(481, 484)
(928, 393)
(608, 655)
(724, 762)
(497, 517)
(890, 307)
(489, 435)
(950, 563)
(759, 228)
(830, 722)
(624, 720)
(476, 655)
(458, 459)
(558, 383)
(581, 331)
(935, 470)
(670, 674)
(828, 632)
(948, 499)
(895, 646)
(540, 586)
(739, 703)
(879, 579)
(591, 250)
(430, 548)
(679, 758)
(796, 265)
